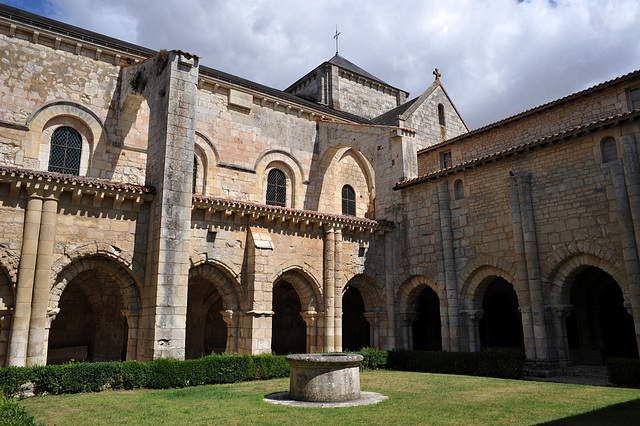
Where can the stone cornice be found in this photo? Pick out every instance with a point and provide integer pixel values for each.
(242, 211)
(55, 183)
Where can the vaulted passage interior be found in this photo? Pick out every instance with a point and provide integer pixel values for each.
(206, 329)
(90, 324)
(501, 324)
(289, 334)
(599, 325)
(427, 333)
(355, 327)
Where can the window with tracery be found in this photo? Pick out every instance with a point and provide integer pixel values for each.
(65, 151)
(276, 188)
(348, 201)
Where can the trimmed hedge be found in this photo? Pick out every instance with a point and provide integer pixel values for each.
(624, 372)
(12, 414)
(159, 374)
(491, 363)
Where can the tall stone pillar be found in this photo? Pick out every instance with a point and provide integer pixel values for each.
(389, 290)
(408, 318)
(522, 286)
(38, 333)
(329, 288)
(133, 325)
(337, 313)
(374, 318)
(171, 91)
(310, 319)
(473, 323)
(26, 277)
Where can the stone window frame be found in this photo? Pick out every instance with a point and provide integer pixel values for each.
(348, 201)
(199, 185)
(458, 189)
(273, 184)
(87, 142)
(65, 151)
(441, 116)
(608, 150)
(633, 98)
(445, 159)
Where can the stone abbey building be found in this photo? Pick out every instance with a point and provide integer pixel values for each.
(153, 207)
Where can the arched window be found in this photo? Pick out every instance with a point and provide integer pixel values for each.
(66, 148)
(441, 114)
(348, 201)
(458, 189)
(195, 174)
(609, 150)
(276, 188)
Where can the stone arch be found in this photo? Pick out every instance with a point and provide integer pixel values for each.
(225, 283)
(305, 285)
(362, 313)
(410, 289)
(292, 169)
(94, 311)
(87, 122)
(208, 148)
(329, 184)
(568, 261)
(473, 275)
(369, 289)
(421, 308)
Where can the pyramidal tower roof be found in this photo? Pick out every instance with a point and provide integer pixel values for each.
(341, 62)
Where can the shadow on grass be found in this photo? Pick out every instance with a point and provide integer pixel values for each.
(625, 413)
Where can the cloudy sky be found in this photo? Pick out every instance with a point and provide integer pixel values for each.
(497, 57)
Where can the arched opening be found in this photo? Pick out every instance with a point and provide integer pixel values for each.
(355, 327)
(206, 329)
(289, 332)
(276, 188)
(501, 324)
(609, 150)
(427, 332)
(599, 325)
(6, 309)
(90, 325)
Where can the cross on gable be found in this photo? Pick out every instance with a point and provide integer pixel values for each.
(336, 37)
(437, 74)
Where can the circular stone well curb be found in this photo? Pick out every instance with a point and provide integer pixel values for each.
(366, 398)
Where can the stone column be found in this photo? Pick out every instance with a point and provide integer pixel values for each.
(133, 324)
(171, 92)
(310, 319)
(36, 352)
(560, 314)
(536, 293)
(337, 313)
(521, 266)
(632, 179)
(629, 240)
(231, 320)
(450, 275)
(473, 323)
(442, 270)
(389, 290)
(329, 288)
(26, 277)
(374, 319)
(408, 318)
(51, 316)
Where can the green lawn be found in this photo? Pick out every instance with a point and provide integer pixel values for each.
(414, 398)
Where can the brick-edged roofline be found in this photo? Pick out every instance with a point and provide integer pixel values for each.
(522, 148)
(534, 110)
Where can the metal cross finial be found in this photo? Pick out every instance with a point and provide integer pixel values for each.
(437, 74)
(336, 37)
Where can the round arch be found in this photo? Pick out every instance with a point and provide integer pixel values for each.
(226, 285)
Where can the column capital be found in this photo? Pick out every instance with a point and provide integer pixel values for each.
(474, 314)
(561, 311)
(408, 318)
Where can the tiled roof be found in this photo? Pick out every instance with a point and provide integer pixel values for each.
(341, 62)
(299, 213)
(535, 110)
(522, 148)
(74, 180)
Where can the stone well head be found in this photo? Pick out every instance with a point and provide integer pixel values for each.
(324, 377)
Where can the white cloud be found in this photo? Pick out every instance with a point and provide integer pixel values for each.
(497, 57)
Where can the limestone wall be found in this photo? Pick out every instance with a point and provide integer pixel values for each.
(602, 103)
(363, 97)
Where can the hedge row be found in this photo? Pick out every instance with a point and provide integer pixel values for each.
(12, 414)
(624, 372)
(159, 374)
(491, 363)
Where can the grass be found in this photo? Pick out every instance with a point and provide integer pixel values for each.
(414, 398)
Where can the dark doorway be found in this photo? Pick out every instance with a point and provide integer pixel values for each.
(355, 327)
(289, 332)
(599, 326)
(501, 324)
(206, 330)
(427, 332)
